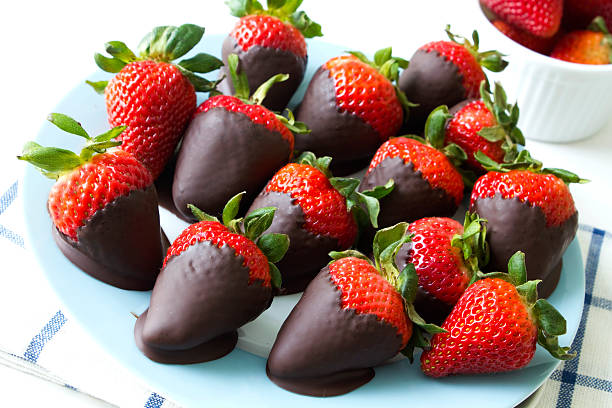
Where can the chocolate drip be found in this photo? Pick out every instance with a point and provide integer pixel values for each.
(199, 300)
(324, 350)
(121, 244)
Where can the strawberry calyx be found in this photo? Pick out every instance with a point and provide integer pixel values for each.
(524, 161)
(53, 162)
(273, 245)
(243, 92)
(388, 66)
(163, 44)
(598, 25)
(364, 205)
(492, 60)
(506, 116)
(473, 244)
(550, 323)
(386, 244)
(284, 10)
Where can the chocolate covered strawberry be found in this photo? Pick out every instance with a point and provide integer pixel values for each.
(447, 256)
(538, 17)
(427, 182)
(216, 277)
(317, 212)
(352, 317)
(592, 46)
(528, 208)
(487, 125)
(494, 327)
(351, 107)
(446, 73)
(269, 42)
(232, 144)
(152, 96)
(103, 207)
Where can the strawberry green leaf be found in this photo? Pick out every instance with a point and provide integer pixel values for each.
(517, 269)
(240, 81)
(492, 60)
(98, 86)
(551, 344)
(419, 321)
(492, 133)
(260, 94)
(381, 56)
(549, 319)
(241, 8)
(436, 125)
(258, 221)
(335, 255)
(167, 43)
(360, 56)
(97, 147)
(320, 163)
(112, 65)
(201, 63)
(274, 246)
(406, 104)
(293, 125)
(120, 51)
(201, 215)
(487, 162)
(110, 135)
(381, 191)
(566, 176)
(598, 25)
(473, 243)
(275, 276)
(276, 4)
(455, 154)
(307, 27)
(408, 282)
(346, 186)
(230, 211)
(199, 84)
(67, 124)
(386, 237)
(51, 161)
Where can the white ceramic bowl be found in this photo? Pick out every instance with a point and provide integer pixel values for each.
(559, 101)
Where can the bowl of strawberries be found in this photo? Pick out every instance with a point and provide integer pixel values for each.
(560, 71)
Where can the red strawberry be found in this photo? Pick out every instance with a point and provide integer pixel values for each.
(534, 43)
(592, 46)
(446, 256)
(316, 212)
(445, 73)
(528, 208)
(360, 315)
(541, 18)
(579, 13)
(232, 144)
(487, 125)
(269, 42)
(224, 275)
(351, 107)
(154, 98)
(103, 207)
(494, 327)
(426, 180)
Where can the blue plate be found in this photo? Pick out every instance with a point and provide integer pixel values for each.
(239, 379)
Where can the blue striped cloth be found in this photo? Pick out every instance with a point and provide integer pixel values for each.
(585, 381)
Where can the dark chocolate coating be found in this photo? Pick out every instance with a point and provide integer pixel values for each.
(307, 252)
(199, 300)
(342, 135)
(260, 64)
(411, 199)
(222, 154)
(323, 350)
(121, 244)
(163, 185)
(430, 308)
(515, 226)
(430, 80)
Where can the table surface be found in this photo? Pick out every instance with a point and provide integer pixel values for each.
(48, 49)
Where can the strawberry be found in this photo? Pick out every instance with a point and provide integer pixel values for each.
(494, 327)
(445, 73)
(488, 125)
(232, 144)
(528, 208)
(447, 257)
(103, 207)
(224, 273)
(352, 107)
(318, 213)
(592, 46)
(360, 315)
(579, 13)
(534, 43)
(154, 98)
(541, 18)
(269, 42)
(426, 180)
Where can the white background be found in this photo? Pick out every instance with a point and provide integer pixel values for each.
(47, 49)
